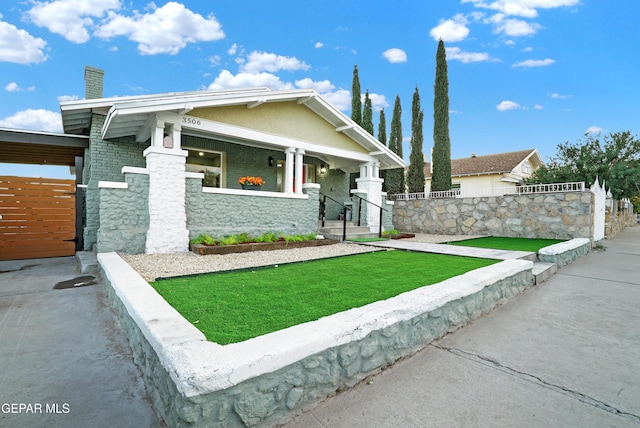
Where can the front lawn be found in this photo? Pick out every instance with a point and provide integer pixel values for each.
(230, 307)
(504, 243)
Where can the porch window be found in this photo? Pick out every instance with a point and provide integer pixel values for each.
(212, 164)
(309, 174)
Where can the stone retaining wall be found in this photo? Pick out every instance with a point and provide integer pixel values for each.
(564, 215)
(266, 380)
(564, 253)
(621, 218)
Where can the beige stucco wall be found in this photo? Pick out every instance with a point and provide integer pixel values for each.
(288, 119)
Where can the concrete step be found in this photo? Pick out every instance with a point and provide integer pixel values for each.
(87, 261)
(336, 223)
(350, 230)
(543, 271)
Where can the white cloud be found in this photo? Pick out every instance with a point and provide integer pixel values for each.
(340, 99)
(20, 47)
(508, 105)
(524, 8)
(527, 49)
(559, 96)
(517, 28)
(63, 98)
(466, 57)
(318, 45)
(378, 101)
(233, 49)
(395, 55)
(263, 61)
(322, 86)
(166, 30)
(247, 80)
(593, 130)
(35, 120)
(12, 87)
(451, 30)
(70, 18)
(538, 107)
(534, 63)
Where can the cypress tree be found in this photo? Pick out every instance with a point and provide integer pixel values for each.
(441, 178)
(382, 137)
(415, 176)
(367, 115)
(395, 177)
(356, 102)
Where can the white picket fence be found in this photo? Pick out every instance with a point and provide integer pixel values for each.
(496, 191)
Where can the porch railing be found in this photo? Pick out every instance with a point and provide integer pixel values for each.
(496, 191)
(323, 213)
(375, 205)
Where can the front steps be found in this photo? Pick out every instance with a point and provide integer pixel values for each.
(543, 271)
(333, 230)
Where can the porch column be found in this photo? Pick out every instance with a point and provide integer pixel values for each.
(288, 173)
(167, 231)
(299, 170)
(370, 188)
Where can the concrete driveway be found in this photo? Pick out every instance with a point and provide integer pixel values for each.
(65, 361)
(566, 353)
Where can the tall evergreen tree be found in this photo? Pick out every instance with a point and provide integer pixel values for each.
(395, 177)
(415, 176)
(382, 137)
(441, 177)
(356, 102)
(367, 115)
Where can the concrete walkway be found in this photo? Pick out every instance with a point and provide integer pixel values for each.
(453, 250)
(566, 353)
(65, 361)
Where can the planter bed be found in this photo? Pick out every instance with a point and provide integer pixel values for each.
(400, 236)
(257, 246)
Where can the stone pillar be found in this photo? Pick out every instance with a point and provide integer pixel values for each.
(299, 170)
(167, 231)
(370, 188)
(288, 172)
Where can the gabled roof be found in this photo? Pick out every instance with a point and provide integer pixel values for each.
(500, 163)
(126, 116)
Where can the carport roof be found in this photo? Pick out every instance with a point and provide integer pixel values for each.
(40, 148)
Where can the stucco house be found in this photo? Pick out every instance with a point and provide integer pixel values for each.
(489, 172)
(149, 155)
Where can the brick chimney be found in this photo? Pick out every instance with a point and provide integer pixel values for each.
(93, 82)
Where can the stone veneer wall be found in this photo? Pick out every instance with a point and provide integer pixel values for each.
(124, 214)
(619, 220)
(180, 369)
(554, 215)
(254, 213)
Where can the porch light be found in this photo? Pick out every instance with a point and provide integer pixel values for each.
(323, 169)
(271, 161)
(200, 154)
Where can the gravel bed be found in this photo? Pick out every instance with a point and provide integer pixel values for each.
(152, 266)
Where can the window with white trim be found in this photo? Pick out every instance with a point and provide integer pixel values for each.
(211, 163)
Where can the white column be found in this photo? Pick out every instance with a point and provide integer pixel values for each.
(370, 188)
(157, 134)
(299, 170)
(167, 231)
(288, 172)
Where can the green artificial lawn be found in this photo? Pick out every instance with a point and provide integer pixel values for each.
(230, 307)
(504, 243)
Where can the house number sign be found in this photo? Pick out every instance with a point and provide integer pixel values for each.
(186, 120)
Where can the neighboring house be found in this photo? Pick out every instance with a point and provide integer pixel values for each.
(149, 155)
(498, 171)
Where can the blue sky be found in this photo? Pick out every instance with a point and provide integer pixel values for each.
(522, 73)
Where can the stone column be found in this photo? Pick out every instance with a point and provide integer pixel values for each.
(299, 170)
(370, 188)
(167, 231)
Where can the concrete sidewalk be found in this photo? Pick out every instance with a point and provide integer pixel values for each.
(563, 354)
(65, 361)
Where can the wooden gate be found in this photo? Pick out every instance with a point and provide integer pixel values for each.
(37, 218)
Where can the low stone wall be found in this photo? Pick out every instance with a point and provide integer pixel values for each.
(621, 218)
(564, 253)
(124, 213)
(266, 380)
(563, 215)
(221, 212)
